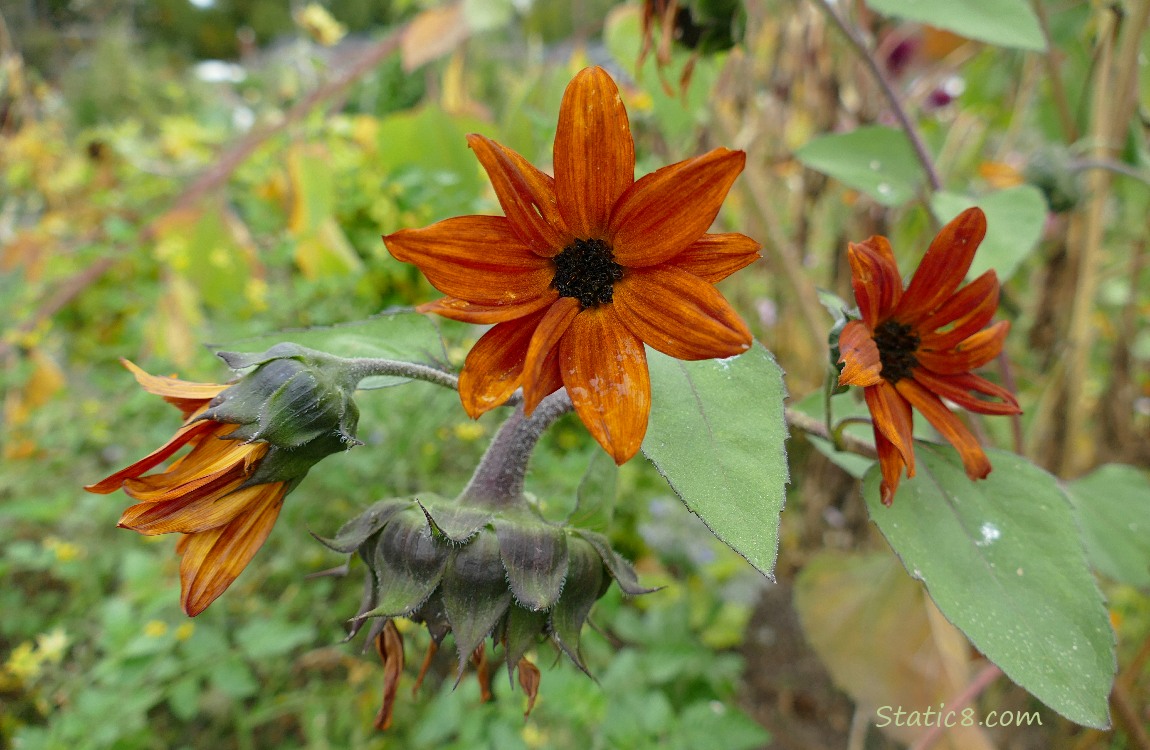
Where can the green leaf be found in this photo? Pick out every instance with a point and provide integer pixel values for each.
(717, 435)
(1002, 559)
(876, 160)
(1113, 507)
(402, 335)
(1006, 23)
(1014, 221)
(595, 505)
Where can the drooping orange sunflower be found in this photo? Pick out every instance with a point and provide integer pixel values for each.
(202, 495)
(914, 348)
(586, 268)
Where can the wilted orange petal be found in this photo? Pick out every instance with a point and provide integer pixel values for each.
(469, 312)
(892, 416)
(679, 314)
(859, 356)
(594, 154)
(213, 559)
(958, 389)
(604, 368)
(494, 366)
(526, 195)
(192, 516)
(944, 266)
(477, 258)
(539, 363)
(890, 464)
(666, 211)
(183, 436)
(714, 257)
(874, 278)
(972, 353)
(211, 464)
(389, 646)
(974, 460)
(185, 395)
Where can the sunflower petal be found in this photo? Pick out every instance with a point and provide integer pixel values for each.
(604, 367)
(526, 195)
(714, 257)
(679, 314)
(666, 211)
(970, 354)
(186, 396)
(211, 464)
(540, 363)
(594, 152)
(469, 312)
(967, 311)
(890, 463)
(944, 266)
(213, 559)
(859, 356)
(892, 417)
(974, 460)
(494, 366)
(957, 388)
(194, 516)
(477, 258)
(874, 278)
(183, 436)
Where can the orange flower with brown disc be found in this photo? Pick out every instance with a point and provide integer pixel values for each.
(586, 268)
(914, 348)
(225, 494)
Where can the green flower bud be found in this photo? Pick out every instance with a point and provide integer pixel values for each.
(476, 572)
(297, 400)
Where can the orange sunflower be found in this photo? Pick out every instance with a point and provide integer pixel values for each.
(203, 495)
(586, 268)
(917, 346)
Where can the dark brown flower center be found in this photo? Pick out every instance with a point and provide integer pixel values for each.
(587, 271)
(897, 344)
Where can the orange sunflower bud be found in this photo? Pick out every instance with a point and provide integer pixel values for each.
(251, 443)
(476, 573)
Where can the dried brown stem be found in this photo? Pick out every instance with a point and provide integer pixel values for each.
(815, 426)
(888, 91)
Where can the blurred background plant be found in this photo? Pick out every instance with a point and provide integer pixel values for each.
(188, 171)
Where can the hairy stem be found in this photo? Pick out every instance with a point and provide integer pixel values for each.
(498, 480)
(366, 367)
